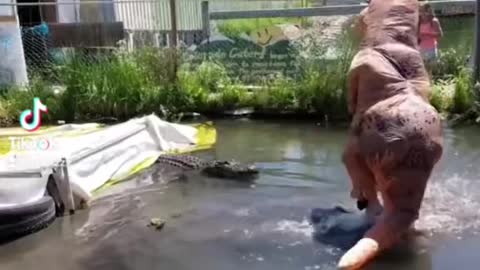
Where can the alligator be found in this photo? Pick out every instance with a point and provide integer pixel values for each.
(232, 170)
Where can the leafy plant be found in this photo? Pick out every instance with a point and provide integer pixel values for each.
(233, 97)
(463, 98)
(442, 95)
(278, 95)
(450, 62)
(16, 99)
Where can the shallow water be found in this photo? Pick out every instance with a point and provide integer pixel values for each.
(214, 224)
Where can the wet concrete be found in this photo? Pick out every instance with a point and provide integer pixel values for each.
(216, 224)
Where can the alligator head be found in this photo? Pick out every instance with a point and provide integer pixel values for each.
(231, 170)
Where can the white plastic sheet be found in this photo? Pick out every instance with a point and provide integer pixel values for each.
(94, 157)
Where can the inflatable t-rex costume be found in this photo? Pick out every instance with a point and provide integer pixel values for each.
(396, 136)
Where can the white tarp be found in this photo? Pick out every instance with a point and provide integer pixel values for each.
(94, 155)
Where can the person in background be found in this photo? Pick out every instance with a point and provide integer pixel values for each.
(430, 32)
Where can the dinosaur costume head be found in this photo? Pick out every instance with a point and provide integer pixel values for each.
(387, 21)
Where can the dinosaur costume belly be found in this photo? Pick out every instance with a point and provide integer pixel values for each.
(396, 136)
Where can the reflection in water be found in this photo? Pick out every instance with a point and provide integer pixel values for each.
(215, 224)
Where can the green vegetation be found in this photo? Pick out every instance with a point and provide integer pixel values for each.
(129, 84)
(234, 28)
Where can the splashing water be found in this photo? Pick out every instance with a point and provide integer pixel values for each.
(291, 226)
(450, 206)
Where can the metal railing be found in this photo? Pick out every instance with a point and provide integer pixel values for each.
(441, 7)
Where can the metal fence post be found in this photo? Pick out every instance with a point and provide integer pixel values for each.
(476, 64)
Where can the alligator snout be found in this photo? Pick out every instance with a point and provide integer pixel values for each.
(231, 170)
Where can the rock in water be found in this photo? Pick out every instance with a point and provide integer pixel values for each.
(157, 223)
(339, 227)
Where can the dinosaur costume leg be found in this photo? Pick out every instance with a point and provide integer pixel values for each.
(401, 205)
(400, 145)
(362, 178)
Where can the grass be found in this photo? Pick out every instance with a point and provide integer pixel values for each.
(121, 88)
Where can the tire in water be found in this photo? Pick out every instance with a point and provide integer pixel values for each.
(19, 221)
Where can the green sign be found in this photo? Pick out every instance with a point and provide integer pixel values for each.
(247, 60)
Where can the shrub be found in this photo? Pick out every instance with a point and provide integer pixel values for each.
(233, 96)
(199, 84)
(442, 95)
(278, 95)
(450, 62)
(463, 98)
(15, 100)
(5, 118)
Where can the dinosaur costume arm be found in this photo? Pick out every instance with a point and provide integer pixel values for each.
(360, 28)
(360, 25)
(352, 91)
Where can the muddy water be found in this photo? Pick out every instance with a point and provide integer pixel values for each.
(213, 224)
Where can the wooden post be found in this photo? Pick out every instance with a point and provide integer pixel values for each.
(476, 64)
(173, 16)
(205, 21)
(173, 36)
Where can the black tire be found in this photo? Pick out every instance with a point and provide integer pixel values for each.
(19, 221)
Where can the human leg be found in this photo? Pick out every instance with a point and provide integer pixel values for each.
(429, 58)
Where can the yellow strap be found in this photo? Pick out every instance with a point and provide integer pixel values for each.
(206, 138)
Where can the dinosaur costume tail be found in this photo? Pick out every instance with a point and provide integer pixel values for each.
(359, 255)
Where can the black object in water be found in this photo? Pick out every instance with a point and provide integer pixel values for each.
(362, 204)
(339, 227)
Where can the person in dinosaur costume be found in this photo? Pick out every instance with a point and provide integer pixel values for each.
(396, 136)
